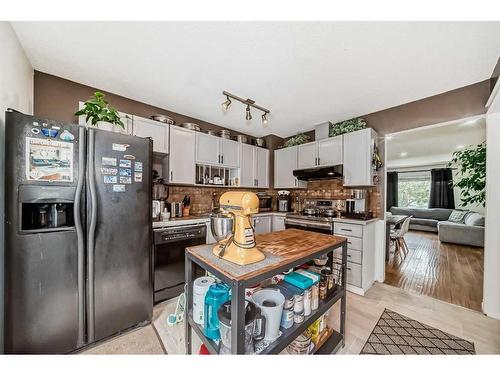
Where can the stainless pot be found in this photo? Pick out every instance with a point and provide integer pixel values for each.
(221, 225)
(242, 138)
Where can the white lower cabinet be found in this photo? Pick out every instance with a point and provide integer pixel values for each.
(278, 222)
(262, 224)
(360, 254)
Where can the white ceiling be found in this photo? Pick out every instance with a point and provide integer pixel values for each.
(432, 145)
(304, 72)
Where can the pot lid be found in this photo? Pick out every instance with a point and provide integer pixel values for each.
(224, 313)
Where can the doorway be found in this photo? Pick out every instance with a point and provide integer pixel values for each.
(437, 245)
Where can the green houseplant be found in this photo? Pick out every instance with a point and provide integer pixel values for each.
(471, 164)
(346, 126)
(97, 111)
(297, 140)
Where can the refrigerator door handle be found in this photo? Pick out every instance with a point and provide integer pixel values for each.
(80, 236)
(91, 236)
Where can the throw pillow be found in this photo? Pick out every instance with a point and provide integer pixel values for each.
(457, 216)
(473, 218)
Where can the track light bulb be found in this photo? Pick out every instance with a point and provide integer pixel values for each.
(226, 104)
(264, 119)
(248, 115)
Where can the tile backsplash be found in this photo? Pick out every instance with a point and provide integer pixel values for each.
(201, 196)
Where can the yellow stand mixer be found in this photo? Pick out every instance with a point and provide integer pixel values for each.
(240, 247)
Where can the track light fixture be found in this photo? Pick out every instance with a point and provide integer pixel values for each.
(226, 104)
(249, 103)
(248, 115)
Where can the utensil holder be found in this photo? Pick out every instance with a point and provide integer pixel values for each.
(185, 211)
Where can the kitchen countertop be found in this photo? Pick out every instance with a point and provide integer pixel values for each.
(192, 219)
(264, 213)
(287, 245)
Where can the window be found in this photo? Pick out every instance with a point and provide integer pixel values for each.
(414, 189)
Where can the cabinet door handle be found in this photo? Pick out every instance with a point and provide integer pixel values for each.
(349, 269)
(348, 256)
(319, 161)
(171, 175)
(346, 230)
(349, 242)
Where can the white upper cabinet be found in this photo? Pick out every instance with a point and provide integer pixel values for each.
(308, 155)
(330, 151)
(247, 165)
(207, 149)
(217, 151)
(144, 127)
(358, 154)
(262, 167)
(285, 162)
(325, 152)
(254, 166)
(181, 159)
(230, 151)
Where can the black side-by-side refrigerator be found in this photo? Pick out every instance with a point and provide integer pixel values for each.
(78, 234)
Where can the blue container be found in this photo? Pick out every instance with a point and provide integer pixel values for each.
(217, 294)
(299, 280)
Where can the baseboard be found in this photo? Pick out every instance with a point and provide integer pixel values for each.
(355, 289)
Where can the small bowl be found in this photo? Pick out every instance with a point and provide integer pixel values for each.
(321, 261)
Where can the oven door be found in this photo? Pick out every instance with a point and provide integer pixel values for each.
(169, 258)
(309, 225)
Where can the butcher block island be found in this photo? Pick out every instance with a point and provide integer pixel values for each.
(276, 304)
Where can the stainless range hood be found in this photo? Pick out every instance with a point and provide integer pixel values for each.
(319, 173)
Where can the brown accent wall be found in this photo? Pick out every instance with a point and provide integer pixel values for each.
(57, 98)
(451, 105)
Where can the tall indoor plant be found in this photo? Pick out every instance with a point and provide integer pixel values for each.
(99, 113)
(471, 164)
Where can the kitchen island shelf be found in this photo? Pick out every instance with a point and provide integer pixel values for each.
(293, 247)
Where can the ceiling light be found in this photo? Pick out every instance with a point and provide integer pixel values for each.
(389, 137)
(248, 115)
(226, 104)
(249, 103)
(264, 119)
(403, 154)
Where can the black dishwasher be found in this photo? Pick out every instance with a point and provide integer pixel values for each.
(170, 247)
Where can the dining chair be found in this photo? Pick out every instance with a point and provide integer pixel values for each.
(399, 237)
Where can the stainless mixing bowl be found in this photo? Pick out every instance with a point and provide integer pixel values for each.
(221, 225)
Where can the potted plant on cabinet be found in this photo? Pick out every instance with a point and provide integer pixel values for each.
(98, 113)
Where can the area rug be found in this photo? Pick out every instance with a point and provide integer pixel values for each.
(397, 334)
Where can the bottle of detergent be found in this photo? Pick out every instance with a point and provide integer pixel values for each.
(217, 294)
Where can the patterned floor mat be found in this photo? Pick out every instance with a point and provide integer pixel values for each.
(397, 334)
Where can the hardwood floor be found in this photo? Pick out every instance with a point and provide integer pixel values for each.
(451, 273)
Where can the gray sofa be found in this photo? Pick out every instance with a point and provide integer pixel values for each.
(425, 219)
(470, 232)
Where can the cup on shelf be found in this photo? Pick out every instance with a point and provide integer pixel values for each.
(165, 215)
